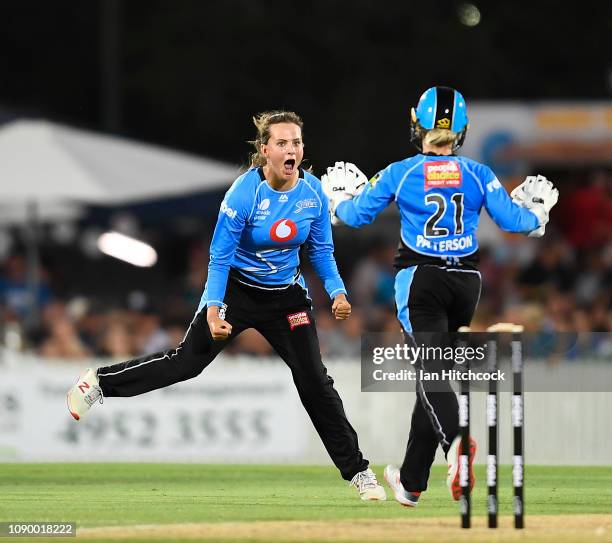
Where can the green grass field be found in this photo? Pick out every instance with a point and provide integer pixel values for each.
(173, 502)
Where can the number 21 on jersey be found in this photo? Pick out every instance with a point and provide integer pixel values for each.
(432, 230)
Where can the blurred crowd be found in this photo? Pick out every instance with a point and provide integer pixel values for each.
(561, 283)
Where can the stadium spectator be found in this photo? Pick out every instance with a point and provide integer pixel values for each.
(586, 213)
(373, 277)
(14, 288)
(116, 341)
(64, 342)
(150, 336)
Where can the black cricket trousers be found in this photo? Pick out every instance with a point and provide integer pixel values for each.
(438, 299)
(285, 319)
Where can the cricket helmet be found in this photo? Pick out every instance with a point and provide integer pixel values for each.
(439, 107)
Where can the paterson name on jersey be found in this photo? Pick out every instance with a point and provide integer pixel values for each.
(445, 246)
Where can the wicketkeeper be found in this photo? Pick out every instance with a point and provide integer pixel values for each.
(439, 196)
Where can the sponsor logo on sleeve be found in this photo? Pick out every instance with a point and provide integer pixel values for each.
(231, 213)
(494, 185)
(298, 319)
(442, 174)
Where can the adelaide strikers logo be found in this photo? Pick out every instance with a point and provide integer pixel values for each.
(283, 230)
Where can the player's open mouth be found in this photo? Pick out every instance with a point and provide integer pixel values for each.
(289, 166)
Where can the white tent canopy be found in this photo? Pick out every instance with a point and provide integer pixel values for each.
(42, 162)
(47, 170)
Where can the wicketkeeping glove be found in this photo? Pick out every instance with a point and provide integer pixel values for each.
(518, 194)
(539, 195)
(343, 181)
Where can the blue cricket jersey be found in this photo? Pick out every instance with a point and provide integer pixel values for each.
(439, 199)
(260, 231)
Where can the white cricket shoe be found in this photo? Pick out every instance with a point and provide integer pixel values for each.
(85, 392)
(368, 486)
(408, 499)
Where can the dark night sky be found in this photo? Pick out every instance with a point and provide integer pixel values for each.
(190, 74)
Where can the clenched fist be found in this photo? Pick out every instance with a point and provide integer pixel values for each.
(219, 328)
(341, 308)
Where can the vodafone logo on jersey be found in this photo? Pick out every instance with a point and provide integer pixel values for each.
(441, 174)
(283, 230)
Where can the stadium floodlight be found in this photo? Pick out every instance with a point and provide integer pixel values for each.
(128, 249)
